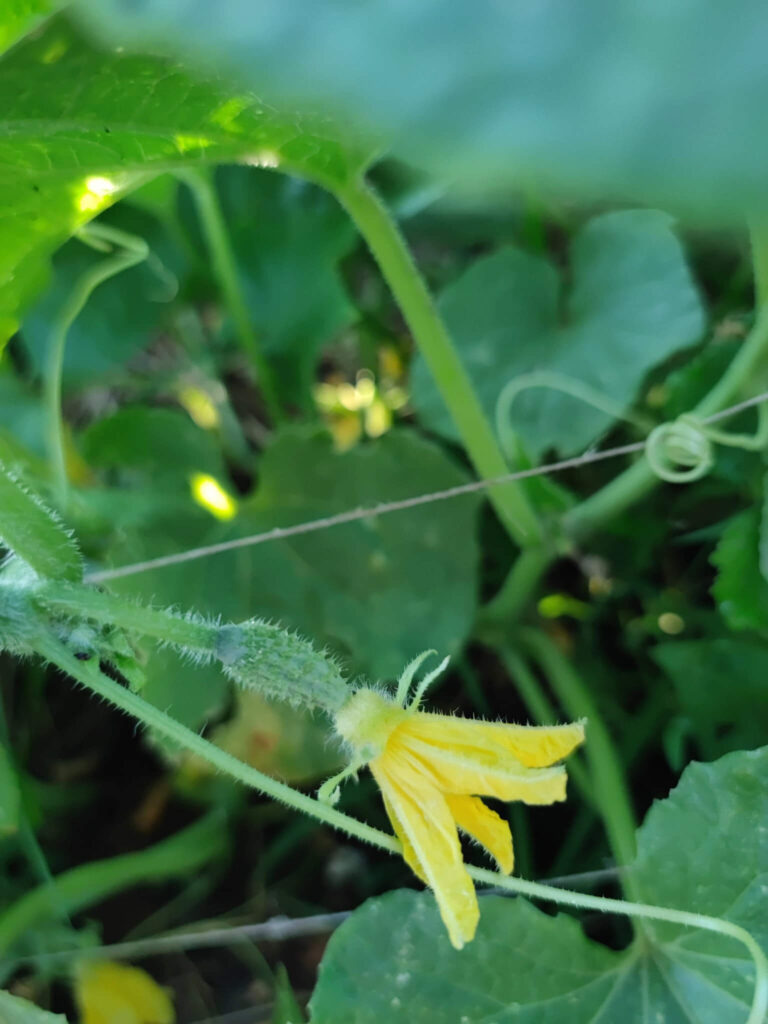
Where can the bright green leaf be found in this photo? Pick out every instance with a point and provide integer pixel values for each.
(702, 849)
(655, 100)
(20, 16)
(80, 127)
(722, 686)
(630, 305)
(34, 533)
(741, 591)
(14, 1010)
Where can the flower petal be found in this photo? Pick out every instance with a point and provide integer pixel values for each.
(409, 854)
(107, 992)
(473, 772)
(535, 746)
(426, 821)
(484, 825)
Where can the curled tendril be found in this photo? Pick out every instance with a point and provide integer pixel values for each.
(683, 451)
(680, 452)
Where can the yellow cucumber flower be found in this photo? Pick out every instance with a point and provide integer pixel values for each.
(432, 769)
(112, 993)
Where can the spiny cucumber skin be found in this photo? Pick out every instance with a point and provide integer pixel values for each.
(260, 656)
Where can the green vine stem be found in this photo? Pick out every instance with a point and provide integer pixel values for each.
(193, 634)
(607, 775)
(200, 183)
(89, 674)
(130, 251)
(399, 270)
(91, 677)
(182, 854)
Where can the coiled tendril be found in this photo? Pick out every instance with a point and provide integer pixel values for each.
(678, 452)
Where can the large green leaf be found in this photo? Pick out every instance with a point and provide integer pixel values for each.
(703, 849)
(79, 127)
(662, 100)
(722, 685)
(381, 590)
(631, 303)
(741, 590)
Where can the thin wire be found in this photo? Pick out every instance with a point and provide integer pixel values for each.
(385, 507)
(276, 929)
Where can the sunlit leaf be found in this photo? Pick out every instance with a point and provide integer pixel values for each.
(81, 126)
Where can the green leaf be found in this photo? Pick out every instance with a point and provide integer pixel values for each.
(286, 1009)
(722, 686)
(158, 444)
(80, 127)
(34, 533)
(741, 591)
(631, 304)
(288, 237)
(627, 98)
(14, 1010)
(380, 591)
(20, 16)
(702, 849)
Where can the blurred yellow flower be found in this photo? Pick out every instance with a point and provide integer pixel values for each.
(111, 993)
(432, 769)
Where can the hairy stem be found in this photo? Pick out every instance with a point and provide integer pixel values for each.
(90, 676)
(87, 673)
(89, 603)
(401, 274)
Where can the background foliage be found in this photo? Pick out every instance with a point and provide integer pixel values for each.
(255, 371)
